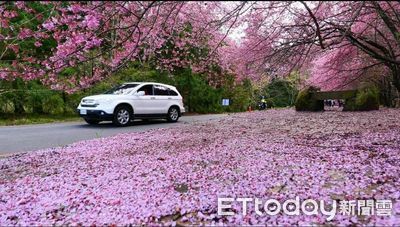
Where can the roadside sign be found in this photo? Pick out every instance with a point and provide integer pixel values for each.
(225, 102)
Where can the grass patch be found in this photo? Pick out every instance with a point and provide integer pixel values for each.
(27, 119)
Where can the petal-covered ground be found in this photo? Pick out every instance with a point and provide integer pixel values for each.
(175, 175)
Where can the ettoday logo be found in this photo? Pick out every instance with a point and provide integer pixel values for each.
(309, 207)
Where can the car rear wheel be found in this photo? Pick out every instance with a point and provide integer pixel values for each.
(92, 122)
(173, 114)
(122, 116)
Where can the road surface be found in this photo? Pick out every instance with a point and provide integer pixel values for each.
(15, 139)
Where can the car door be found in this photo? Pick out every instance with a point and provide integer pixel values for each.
(145, 104)
(162, 98)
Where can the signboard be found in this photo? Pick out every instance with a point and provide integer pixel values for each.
(225, 102)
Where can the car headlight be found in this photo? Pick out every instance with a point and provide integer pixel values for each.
(90, 102)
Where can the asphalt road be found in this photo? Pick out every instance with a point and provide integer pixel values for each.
(15, 139)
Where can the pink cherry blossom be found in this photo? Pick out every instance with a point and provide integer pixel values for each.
(334, 45)
(48, 25)
(91, 22)
(38, 44)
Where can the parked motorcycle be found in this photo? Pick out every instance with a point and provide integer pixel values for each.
(262, 106)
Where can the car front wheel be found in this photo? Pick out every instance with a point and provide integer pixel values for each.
(173, 114)
(122, 116)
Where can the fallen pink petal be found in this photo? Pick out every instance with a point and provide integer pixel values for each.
(199, 113)
(175, 175)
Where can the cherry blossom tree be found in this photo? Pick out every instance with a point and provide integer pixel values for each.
(335, 42)
(91, 40)
(71, 45)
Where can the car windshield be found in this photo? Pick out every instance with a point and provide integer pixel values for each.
(122, 89)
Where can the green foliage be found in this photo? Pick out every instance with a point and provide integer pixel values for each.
(35, 95)
(239, 100)
(270, 102)
(197, 95)
(367, 98)
(71, 101)
(239, 94)
(19, 97)
(53, 104)
(133, 72)
(12, 119)
(350, 104)
(30, 21)
(32, 97)
(305, 102)
(13, 97)
(280, 93)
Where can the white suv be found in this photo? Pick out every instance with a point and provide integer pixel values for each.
(133, 100)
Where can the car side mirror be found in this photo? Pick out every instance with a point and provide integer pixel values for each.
(140, 93)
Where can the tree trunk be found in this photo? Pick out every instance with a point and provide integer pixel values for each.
(18, 104)
(18, 97)
(396, 76)
(37, 107)
(385, 88)
(189, 94)
(64, 97)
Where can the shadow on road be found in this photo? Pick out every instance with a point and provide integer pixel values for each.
(109, 124)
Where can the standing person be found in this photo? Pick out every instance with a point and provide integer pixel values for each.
(263, 104)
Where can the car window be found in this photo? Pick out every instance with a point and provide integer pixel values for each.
(122, 89)
(160, 90)
(172, 92)
(148, 89)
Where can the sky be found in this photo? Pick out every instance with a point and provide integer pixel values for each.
(236, 33)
